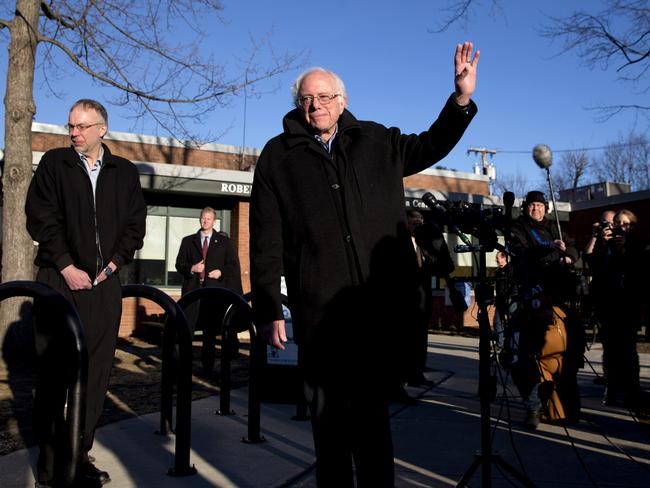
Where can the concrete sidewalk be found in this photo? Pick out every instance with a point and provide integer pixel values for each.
(435, 440)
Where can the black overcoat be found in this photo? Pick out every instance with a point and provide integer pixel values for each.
(332, 223)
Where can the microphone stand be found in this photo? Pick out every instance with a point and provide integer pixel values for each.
(550, 187)
(484, 294)
(485, 457)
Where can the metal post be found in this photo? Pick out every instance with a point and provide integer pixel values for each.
(557, 218)
(226, 381)
(76, 417)
(177, 328)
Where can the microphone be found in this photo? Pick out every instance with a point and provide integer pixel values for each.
(432, 202)
(543, 156)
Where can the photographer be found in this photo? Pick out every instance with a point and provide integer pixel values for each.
(543, 270)
(601, 233)
(596, 257)
(623, 289)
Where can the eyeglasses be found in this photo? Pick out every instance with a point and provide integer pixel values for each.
(307, 100)
(81, 127)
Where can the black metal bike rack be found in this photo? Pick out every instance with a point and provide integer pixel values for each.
(176, 331)
(76, 406)
(236, 307)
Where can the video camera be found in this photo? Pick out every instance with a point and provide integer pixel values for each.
(471, 217)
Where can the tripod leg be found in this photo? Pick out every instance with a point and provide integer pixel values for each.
(478, 458)
(498, 461)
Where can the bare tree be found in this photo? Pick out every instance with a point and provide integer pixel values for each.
(626, 161)
(572, 168)
(460, 11)
(517, 183)
(129, 46)
(619, 36)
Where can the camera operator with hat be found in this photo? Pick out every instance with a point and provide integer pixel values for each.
(543, 270)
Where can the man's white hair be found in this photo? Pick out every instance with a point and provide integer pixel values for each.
(338, 82)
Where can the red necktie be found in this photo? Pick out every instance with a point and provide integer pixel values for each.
(204, 253)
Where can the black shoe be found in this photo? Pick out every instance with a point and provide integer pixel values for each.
(420, 381)
(91, 476)
(400, 395)
(532, 419)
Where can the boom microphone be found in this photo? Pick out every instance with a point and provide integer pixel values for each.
(543, 156)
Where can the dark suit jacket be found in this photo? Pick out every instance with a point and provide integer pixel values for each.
(221, 255)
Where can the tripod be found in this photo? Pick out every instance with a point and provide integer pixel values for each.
(485, 457)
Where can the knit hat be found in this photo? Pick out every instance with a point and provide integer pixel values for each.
(535, 196)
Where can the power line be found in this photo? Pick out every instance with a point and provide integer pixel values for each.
(581, 149)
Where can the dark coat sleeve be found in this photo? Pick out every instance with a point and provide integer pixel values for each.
(132, 236)
(421, 151)
(265, 223)
(45, 222)
(183, 259)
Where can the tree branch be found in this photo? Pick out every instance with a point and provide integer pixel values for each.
(128, 87)
(64, 21)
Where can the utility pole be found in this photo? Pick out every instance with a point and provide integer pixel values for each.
(486, 169)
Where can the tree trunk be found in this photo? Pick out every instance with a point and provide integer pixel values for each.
(17, 246)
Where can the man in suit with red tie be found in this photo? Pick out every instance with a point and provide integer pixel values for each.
(207, 258)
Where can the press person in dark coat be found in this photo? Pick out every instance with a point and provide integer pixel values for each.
(219, 268)
(543, 270)
(86, 211)
(327, 207)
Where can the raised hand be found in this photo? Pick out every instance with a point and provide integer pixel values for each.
(465, 72)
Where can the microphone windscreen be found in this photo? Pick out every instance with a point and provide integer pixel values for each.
(508, 199)
(543, 156)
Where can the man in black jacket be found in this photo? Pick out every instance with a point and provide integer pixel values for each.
(327, 209)
(207, 258)
(86, 211)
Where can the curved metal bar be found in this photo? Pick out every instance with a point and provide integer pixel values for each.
(257, 363)
(176, 327)
(76, 417)
(235, 303)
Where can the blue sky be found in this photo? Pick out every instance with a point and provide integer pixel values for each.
(399, 73)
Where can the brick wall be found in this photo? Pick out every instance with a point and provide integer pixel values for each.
(154, 153)
(447, 184)
(135, 311)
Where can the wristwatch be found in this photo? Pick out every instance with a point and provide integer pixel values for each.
(107, 271)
